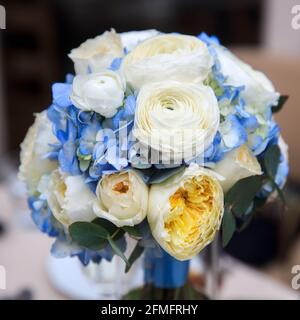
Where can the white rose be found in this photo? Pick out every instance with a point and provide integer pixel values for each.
(132, 38)
(186, 211)
(101, 92)
(237, 164)
(69, 198)
(179, 120)
(97, 54)
(122, 198)
(170, 56)
(259, 91)
(33, 150)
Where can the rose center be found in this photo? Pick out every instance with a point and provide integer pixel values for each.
(121, 187)
(190, 206)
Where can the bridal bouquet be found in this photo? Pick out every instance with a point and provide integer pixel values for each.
(160, 139)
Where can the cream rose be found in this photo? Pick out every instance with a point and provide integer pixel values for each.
(69, 198)
(169, 56)
(97, 54)
(185, 211)
(132, 38)
(237, 164)
(101, 92)
(122, 198)
(259, 91)
(33, 151)
(179, 120)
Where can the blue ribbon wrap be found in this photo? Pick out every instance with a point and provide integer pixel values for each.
(164, 271)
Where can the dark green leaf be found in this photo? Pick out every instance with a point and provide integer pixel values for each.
(133, 231)
(228, 226)
(107, 225)
(282, 100)
(239, 198)
(154, 176)
(272, 160)
(117, 250)
(135, 254)
(89, 235)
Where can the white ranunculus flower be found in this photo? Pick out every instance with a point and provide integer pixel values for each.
(101, 92)
(259, 91)
(33, 151)
(95, 55)
(186, 211)
(179, 120)
(237, 164)
(122, 198)
(132, 38)
(168, 56)
(69, 197)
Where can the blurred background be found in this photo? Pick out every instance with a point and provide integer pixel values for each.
(33, 55)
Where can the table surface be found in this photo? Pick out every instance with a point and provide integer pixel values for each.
(24, 253)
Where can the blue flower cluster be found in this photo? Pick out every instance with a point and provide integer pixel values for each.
(238, 125)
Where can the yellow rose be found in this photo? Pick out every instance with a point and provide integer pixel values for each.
(185, 211)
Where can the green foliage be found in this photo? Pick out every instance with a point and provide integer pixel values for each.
(241, 200)
(89, 235)
(100, 233)
(282, 100)
(136, 253)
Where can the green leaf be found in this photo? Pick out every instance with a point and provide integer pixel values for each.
(117, 250)
(228, 226)
(282, 100)
(133, 231)
(115, 232)
(239, 198)
(154, 176)
(135, 254)
(272, 160)
(106, 224)
(89, 235)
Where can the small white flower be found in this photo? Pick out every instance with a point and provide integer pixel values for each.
(101, 92)
(186, 211)
(95, 55)
(122, 198)
(33, 151)
(168, 56)
(237, 164)
(132, 38)
(69, 197)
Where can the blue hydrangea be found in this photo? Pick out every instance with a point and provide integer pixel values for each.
(43, 217)
(239, 123)
(65, 247)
